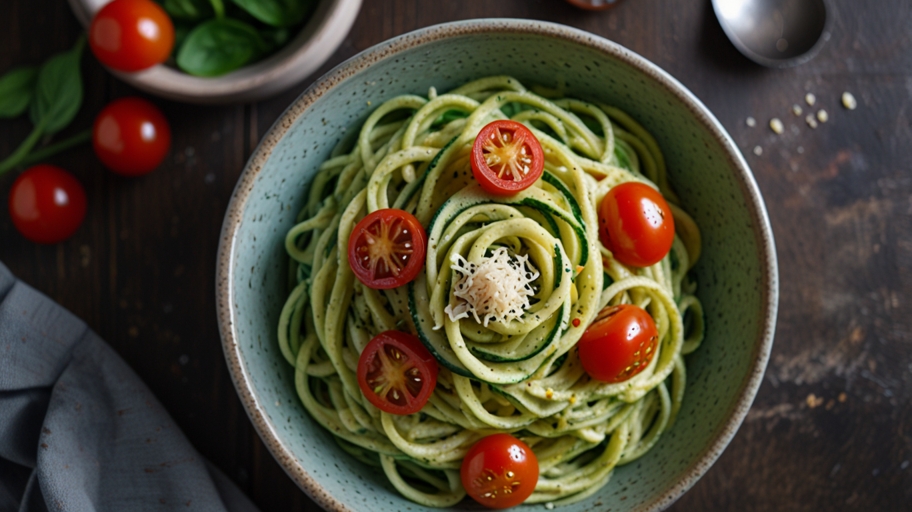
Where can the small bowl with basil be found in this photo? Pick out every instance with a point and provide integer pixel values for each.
(229, 51)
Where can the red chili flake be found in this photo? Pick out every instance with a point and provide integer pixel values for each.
(576, 322)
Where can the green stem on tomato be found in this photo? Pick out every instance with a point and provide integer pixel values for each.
(219, 8)
(22, 151)
(57, 147)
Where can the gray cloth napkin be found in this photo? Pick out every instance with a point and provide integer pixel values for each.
(79, 431)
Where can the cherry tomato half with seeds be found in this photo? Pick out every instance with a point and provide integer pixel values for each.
(131, 136)
(396, 372)
(506, 158)
(636, 224)
(47, 204)
(131, 35)
(387, 248)
(619, 344)
(499, 471)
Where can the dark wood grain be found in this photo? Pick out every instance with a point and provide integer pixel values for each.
(831, 428)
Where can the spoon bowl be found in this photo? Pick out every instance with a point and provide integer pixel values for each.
(774, 33)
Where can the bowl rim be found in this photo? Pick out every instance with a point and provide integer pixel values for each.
(389, 49)
(319, 37)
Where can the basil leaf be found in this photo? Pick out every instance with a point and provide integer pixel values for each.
(181, 31)
(278, 13)
(58, 94)
(17, 87)
(216, 47)
(189, 10)
(275, 38)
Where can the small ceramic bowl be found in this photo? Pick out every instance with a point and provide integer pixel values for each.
(321, 35)
(737, 273)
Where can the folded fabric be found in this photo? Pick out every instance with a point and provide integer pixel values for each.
(79, 431)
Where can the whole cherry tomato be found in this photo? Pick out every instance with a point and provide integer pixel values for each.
(396, 372)
(619, 344)
(47, 204)
(635, 224)
(131, 35)
(131, 136)
(506, 158)
(500, 471)
(387, 248)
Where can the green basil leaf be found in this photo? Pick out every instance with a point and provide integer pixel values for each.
(278, 13)
(181, 31)
(58, 95)
(217, 47)
(187, 10)
(16, 90)
(276, 38)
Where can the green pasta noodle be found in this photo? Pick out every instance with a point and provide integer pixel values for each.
(521, 375)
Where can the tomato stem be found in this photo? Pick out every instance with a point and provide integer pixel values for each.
(53, 149)
(15, 159)
(219, 8)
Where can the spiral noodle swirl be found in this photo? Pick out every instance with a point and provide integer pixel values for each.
(521, 375)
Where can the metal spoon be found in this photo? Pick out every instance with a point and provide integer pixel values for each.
(774, 33)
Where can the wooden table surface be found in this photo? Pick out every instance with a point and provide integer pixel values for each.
(831, 427)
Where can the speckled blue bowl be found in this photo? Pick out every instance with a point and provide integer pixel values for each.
(737, 274)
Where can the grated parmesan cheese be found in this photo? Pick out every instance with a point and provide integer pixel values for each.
(496, 289)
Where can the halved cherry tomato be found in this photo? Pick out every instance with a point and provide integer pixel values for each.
(386, 249)
(47, 204)
(619, 344)
(635, 224)
(499, 471)
(131, 35)
(506, 158)
(131, 136)
(396, 372)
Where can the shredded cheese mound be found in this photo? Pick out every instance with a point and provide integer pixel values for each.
(495, 290)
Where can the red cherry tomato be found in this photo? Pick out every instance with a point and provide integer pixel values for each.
(396, 372)
(131, 35)
(499, 471)
(635, 224)
(619, 344)
(47, 204)
(131, 136)
(506, 158)
(386, 249)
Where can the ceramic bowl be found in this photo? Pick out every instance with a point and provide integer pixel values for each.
(737, 273)
(321, 35)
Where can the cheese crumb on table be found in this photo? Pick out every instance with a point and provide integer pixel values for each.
(811, 121)
(776, 125)
(822, 116)
(796, 109)
(810, 99)
(758, 150)
(751, 122)
(848, 101)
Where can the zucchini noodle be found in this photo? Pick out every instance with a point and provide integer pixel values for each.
(523, 375)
